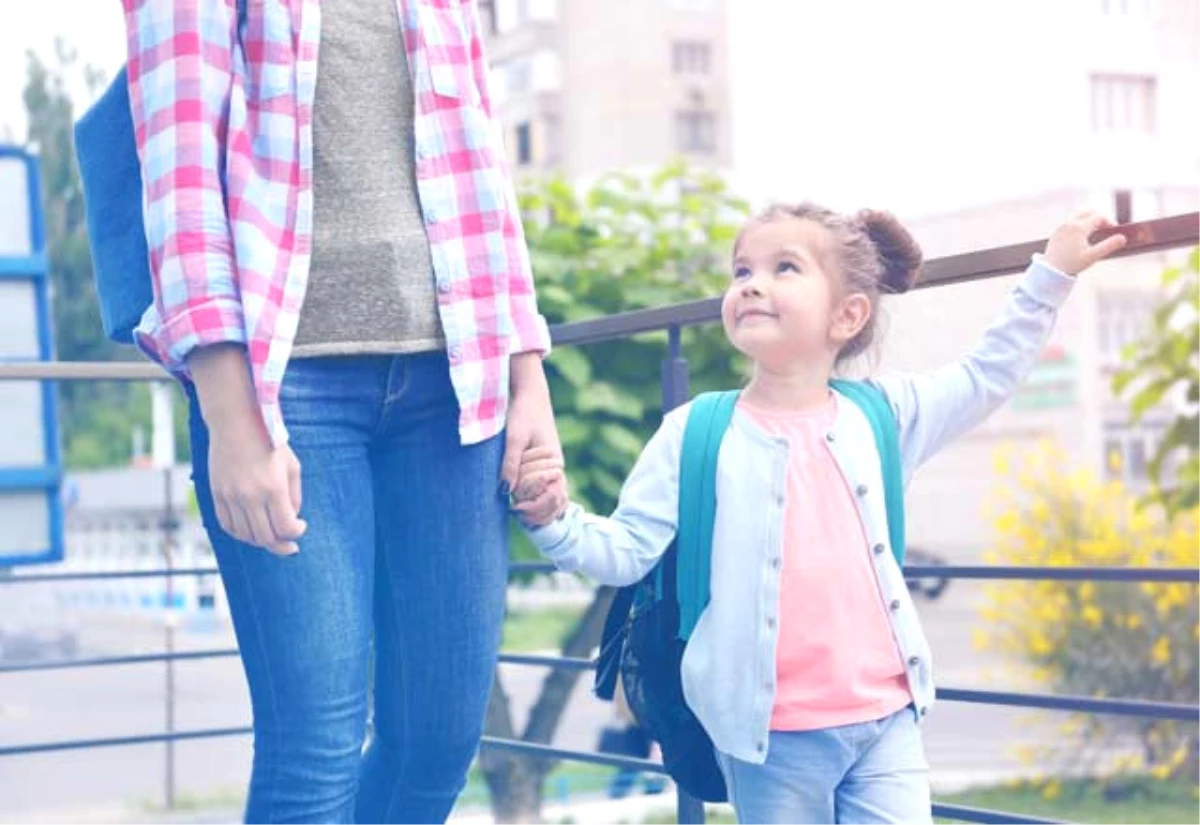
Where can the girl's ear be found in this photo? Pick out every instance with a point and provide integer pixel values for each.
(849, 317)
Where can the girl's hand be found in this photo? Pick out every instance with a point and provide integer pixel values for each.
(540, 496)
(1069, 249)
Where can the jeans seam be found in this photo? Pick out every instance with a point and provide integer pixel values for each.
(398, 664)
(274, 699)
(391, 398)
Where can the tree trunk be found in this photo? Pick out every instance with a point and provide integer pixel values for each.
(514, 780)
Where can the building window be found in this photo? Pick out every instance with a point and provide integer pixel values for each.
(1123, 104)
(487, 13)
(1122, 318)
(691, 57)
(524, 144)
(551, 139)
(1124, 7)
(1128, 450)
(696, 131)
(518, 76)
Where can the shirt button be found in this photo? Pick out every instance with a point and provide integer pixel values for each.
(829, 437)
(914, 661)
(924, 711)
(861, 490)
(895, 604)
(879, 548)
(779, 500)
(775, 564)
(760, 747)
(455, 355)
(771, 622)
(443, 286)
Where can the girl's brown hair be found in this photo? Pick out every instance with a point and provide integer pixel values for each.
(874, 254)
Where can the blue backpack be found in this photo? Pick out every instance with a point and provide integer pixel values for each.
(106, 152)
(649, 622)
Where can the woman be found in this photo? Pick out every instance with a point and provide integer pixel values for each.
(341, 279)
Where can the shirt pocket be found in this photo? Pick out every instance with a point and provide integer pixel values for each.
(445, 44)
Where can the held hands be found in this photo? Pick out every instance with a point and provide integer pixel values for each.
(540, 496)
(532, 452)
(1070, 249)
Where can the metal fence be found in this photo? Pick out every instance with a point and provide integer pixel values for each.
(1166, 233)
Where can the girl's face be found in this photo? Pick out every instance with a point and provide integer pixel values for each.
(784, 305)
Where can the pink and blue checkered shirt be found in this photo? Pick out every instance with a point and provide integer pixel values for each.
(224, 132)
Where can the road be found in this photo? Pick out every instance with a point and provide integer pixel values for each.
(965, 743)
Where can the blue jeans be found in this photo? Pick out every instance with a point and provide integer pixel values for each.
(870, 772)
(402, 572)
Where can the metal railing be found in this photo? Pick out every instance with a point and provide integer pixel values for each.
(1166, 233)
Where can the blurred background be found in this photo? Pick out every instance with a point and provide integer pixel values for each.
(641, 132)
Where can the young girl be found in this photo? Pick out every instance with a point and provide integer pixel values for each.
(808, 668)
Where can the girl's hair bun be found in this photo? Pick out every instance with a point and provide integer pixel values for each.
(897, 249)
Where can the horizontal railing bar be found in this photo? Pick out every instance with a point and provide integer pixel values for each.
(121, 741)
(1182, 575)
(116, 661)
(487, 742)
(1047, 701)
(105, 575)
(561, 662)
(964, 814)
(646, 766)
(531, 567)
(548, 752)
(1078, 704)
(1145, 236)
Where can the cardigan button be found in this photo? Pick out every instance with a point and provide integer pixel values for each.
(861, 490)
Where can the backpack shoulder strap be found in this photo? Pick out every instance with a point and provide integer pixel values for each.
(708, 419)
(870, 399)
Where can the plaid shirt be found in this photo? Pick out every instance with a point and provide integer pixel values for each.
(224, 132)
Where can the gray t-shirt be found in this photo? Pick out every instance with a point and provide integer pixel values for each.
(371, 287)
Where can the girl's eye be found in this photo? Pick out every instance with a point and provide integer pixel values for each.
(788, 266)
(741, 272)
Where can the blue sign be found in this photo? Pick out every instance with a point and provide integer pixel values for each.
(31, 511)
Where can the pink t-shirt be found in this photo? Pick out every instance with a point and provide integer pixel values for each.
(836, 660)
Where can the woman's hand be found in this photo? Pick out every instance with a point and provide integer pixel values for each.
(255, 486)
(1069, 249)
(531, 428)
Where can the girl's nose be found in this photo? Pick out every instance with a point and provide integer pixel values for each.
(750, 288)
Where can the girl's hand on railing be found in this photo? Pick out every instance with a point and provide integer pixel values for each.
(1070, 249)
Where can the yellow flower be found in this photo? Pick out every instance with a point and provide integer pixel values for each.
(1161, 771)
(1092, 616)
(980, 639)
(1115, 461)
(1087, 592)
(1039, 644)
(1161, 652)
(1134, 620)
(1053, 789)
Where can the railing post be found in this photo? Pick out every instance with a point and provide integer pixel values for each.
(674, 393)
(674, 373)
(689, 809)
(169, 525)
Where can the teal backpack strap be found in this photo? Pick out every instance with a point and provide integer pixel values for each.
(874, 404)
(708, 419)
